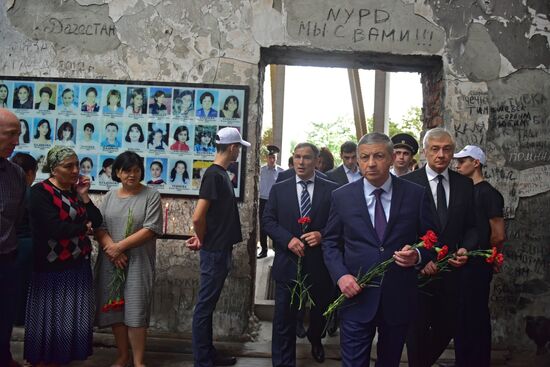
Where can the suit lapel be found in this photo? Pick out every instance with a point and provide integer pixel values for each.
(317, 197)
(293, 191)
(343, 174)
(453, 194)
(396, 200)
(426, 184)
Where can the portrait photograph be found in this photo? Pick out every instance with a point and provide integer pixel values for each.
(23, 96)
(45, 96)
(111, 135)
(160, 101)
(65, 132)
(182, 137)
(157, 139)
(136, 101)
(156, 170)
(26, 132)
(114, 100)
(87, 134)
(183, 103)
(233, 172)
(204, 139)
(104, 175)
(207, 103)
(43, 134)
(90, 98)
(135, 137)
(180, 173)
(67, 98)
(6, 97)
(88, 165)
(231, 104)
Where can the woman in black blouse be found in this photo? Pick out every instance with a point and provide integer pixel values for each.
(60, 309)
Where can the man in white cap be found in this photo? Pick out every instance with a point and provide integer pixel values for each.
(473, 342)
(217, 228)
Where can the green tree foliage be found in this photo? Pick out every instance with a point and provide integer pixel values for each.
(332, 134)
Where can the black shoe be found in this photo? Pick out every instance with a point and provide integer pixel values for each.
(262, 254)
(300, 331)
(318, 352)
(224, 361)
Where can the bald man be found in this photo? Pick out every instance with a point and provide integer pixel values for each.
(12, 193)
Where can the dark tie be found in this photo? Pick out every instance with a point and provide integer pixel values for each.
(305, 199)
(441, 201)
(379, 215)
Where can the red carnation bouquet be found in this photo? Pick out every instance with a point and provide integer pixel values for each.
(428, 242)
(116, 285)
(492, 256)
(299, 292)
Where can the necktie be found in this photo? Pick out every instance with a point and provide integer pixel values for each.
(305, 199)
(379, 215)
(441, 201)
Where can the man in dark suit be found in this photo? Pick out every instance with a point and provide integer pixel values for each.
(348, 171)
(452, 203)
(358, 216)
(305, 194)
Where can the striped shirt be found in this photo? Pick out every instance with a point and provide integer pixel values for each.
(12, 196)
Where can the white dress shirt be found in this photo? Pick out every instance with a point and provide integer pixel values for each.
(352, 176)
(432, 179)
(385, 197)
(309, 188)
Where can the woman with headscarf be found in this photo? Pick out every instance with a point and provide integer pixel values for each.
(60, 309)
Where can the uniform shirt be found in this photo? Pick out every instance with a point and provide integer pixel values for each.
(268, 177)
(12, 197)
(433, 180)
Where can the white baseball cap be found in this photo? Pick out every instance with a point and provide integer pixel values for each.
(230, 135)
(472, 151)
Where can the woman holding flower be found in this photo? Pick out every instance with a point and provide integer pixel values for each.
(132, 219)
(59, 316)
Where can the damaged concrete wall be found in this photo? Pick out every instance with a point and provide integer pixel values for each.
(494, 76)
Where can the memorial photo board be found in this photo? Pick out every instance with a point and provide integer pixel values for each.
(171, 125)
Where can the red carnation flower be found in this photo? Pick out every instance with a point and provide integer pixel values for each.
(442, 253)
(429, 239)
(304, 220)
(499, 259)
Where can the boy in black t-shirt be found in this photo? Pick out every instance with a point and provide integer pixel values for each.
(217, 228)
(474, 346)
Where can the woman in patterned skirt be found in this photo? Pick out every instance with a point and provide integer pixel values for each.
(60, 309)
(135, 253)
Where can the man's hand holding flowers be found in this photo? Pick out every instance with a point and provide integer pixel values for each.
(312, 238)
(406, 257)
(460, 258)
(296, 246)
(349, 286)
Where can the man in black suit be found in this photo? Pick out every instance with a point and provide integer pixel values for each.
(304, 194)
(452, 204)
(348, 171)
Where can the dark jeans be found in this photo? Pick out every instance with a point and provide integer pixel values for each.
(8, 289)
(263, 234)
(214, 267)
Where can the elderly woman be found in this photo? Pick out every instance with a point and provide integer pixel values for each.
(137, 207)
(60, 309)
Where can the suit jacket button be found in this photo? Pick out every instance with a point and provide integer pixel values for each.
(381, 249)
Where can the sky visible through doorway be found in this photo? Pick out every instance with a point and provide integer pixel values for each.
(316, 94)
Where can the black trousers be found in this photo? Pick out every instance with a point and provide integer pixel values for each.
(473, 337)
(435, 323)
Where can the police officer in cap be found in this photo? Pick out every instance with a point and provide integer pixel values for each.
(268, 176)
(405, 148)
